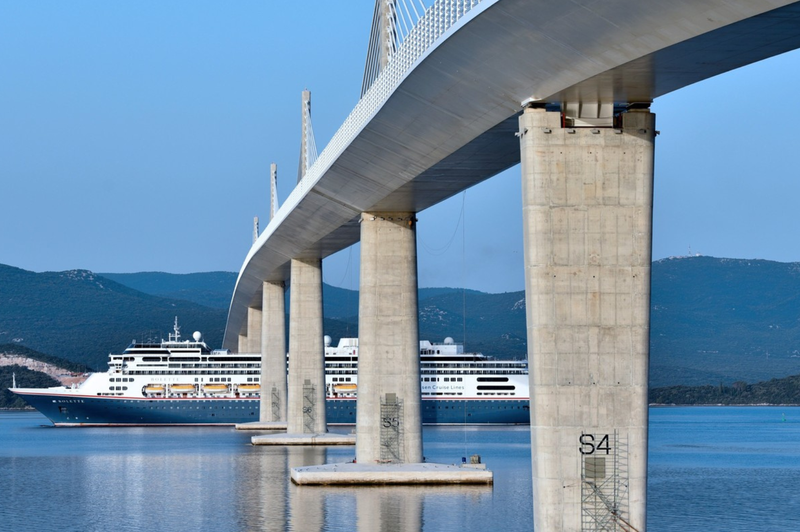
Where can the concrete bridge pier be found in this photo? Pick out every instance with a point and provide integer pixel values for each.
(306, 422)
(587, 201)
(260, 338)
(389, 419)
(273, 354)
(306, 379)
(251, 342)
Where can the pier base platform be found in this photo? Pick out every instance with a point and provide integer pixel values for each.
(382, 474)
(262, 425)
(325, 438)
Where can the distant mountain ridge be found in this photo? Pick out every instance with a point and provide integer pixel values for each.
(211, 289)
(81, 316)
(712, 320)
(723, 320)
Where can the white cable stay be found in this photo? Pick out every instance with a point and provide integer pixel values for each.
(392, 22)
(435, 20)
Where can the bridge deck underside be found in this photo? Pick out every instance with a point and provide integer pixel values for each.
(449, 123)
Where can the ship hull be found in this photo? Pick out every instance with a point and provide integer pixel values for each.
(77, 410)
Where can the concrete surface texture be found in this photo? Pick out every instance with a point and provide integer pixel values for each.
(389, 423)
(587, 201)
(307, 439)
(418, 473)
(306, 379)
(262, 425)
(253, 330)
(273, 353)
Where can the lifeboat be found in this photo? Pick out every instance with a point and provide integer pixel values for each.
(249, 388)
(154, 388)
(182, 388)
(344, 388)
(215, 388)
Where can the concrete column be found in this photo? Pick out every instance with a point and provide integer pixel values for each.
(306, 391)
(273, 353)
(388, 422)
(253, 330)
(587, 201)
(243, 344)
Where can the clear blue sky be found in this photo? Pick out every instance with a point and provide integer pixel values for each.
(137, 136)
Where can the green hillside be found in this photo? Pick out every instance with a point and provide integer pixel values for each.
(724, 320)
(712, 320)
(82, 317)
(21, 350)
(25, 379)
(210, 289)
(785, 391)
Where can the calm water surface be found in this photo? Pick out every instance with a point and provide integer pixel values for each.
(727, 469)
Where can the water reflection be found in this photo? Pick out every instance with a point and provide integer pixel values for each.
(732, 469)
(307, 512)
(261, 493)
(211, 478)
(392, 509)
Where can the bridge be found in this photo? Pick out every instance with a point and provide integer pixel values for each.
(453, 94)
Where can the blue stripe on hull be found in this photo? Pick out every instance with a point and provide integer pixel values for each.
(88, 410)
(119, 411)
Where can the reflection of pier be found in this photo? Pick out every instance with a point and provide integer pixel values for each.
(398, 509)
(307, 506)
(263, 497)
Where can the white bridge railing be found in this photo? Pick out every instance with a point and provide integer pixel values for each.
(437, 19)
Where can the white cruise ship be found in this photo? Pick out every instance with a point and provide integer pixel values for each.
(176, 382)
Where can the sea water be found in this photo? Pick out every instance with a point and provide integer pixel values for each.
(726, 469)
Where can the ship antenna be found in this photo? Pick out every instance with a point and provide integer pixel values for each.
(177, 330)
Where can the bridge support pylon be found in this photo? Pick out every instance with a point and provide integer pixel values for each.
(306, 422)
(251, 342)
(388, 419)
(306, 379)
(587, 201)
(389, 415)
(273, 354)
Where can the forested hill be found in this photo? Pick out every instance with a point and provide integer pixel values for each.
(723, 320)
(82, 317)
(210, 289)
(7, 350)
(784, 391)
(25, 379)
(712, 320)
